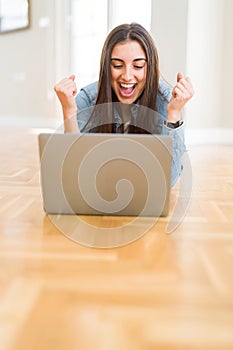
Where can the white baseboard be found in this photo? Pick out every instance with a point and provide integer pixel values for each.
(209, 136)
(29, 122)
(192, 136)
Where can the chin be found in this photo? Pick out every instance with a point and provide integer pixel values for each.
(127, 101)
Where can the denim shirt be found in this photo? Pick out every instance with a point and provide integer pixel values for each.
(87, 96)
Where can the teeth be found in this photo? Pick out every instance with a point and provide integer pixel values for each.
(127, 86)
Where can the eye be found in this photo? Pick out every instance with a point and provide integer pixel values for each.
(138, 66)
(117, 66)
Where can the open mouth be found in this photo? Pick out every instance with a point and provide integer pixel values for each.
(127, 90)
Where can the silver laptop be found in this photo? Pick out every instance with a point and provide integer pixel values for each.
(105, 174)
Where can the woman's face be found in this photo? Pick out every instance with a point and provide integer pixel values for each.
(128, 71)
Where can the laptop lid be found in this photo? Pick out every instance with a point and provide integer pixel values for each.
(105, 174)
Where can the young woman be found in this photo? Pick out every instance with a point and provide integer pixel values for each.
(129, 77)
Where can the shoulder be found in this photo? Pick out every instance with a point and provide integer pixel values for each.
(91, 90)
(87, 96)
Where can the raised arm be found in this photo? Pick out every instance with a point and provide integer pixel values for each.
(66, 90)
(182, 92)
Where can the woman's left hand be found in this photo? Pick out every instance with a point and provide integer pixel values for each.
(182, 92)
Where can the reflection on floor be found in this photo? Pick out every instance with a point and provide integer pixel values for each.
(164, 291)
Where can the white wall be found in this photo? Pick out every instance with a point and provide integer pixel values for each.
(205, 62)
(196, 36)
(226, 117)
(169, 30)
(29, 67)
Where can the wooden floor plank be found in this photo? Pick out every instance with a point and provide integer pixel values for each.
(163, 291)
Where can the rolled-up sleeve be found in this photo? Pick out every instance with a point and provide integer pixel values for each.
(178, 150)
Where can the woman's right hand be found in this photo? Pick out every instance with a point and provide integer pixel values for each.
(66, 90)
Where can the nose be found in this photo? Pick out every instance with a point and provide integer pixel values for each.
(127, 74)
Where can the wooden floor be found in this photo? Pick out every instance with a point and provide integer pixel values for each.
(164, 291)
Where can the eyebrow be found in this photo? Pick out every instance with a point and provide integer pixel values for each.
(136, 59)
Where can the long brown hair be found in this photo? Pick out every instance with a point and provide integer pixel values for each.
(105, 95)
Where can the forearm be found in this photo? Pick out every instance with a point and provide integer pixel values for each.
(71, 125)
(173, 116)
(66, 91)
(70, 121)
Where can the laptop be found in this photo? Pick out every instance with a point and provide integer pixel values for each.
(105, 174)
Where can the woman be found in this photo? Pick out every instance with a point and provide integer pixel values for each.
(129, 75)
